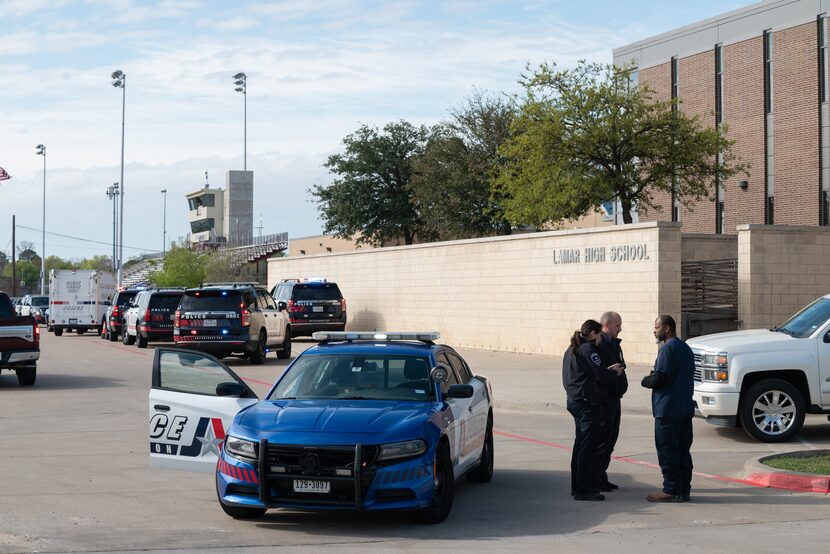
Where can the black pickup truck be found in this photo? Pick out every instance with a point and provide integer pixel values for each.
(19, 342)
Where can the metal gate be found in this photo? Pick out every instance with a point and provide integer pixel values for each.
(709, 296)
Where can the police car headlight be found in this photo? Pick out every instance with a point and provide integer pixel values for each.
(241, 448)
(397, 450)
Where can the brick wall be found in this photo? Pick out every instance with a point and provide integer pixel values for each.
(696, 77)
(658, 78)
(796, 128)
(743, 109)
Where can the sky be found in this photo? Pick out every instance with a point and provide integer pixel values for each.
(317, 70)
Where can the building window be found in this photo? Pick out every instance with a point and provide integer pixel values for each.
(768, 71)
(201, 225)
(675, 94)
(769, 173)
(718, 84)
(822, 58)
(824, 124)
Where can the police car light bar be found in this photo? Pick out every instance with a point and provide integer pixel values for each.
(325, 336)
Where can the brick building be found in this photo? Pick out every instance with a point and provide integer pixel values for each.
(763, 71)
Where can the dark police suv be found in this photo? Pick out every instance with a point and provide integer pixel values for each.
(313, 305)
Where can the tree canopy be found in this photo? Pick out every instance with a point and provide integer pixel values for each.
(181, 268)
(588, 135)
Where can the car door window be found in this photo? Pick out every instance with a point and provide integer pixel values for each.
(269, 301)
(460, 367)
(190, 372)
(261, 303)
(452, 378)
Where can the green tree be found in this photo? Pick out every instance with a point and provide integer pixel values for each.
(220, 267)
(181, 268)
(370, 197)
(452, 179)
(100, 263)
(587, 135)
(27, 272)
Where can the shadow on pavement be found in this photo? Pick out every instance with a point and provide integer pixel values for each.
(58, 381)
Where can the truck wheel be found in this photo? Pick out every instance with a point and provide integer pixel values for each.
(58, 331)
(772, 410)
(26, 376)
(126, 338)
(80, 331)
(257, 357)
(112, 335)
(285, 352)
(140, 341)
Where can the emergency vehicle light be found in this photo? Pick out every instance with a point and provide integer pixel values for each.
(372, 335)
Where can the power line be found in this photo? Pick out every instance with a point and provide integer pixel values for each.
(84, 240)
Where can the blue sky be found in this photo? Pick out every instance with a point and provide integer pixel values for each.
(316, 71)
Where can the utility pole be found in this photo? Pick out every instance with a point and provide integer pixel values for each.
(119, 80)
(164, 233)
(14, 266)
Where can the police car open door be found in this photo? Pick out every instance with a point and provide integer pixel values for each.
(193, 400)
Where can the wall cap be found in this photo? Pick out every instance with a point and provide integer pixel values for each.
(783, 228)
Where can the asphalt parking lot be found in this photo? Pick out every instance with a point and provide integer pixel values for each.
(76, 475)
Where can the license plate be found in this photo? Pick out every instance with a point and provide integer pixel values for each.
(73, 320)
(317, 308)
(209, 322)
(306, 485)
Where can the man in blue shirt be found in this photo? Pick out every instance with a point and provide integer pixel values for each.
(672, 384)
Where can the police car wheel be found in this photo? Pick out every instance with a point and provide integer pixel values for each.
(443, 492)
(285, 352)
(257, 357)
(127, 339)
(484, 472)
(112, 335)
(141, 342)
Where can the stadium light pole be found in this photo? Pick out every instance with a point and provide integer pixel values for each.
(40, 150)
(119, 80)
(112, 194)
(241, 82)
(164, 232)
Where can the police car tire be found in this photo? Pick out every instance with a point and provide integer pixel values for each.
(58, 331)
(257, 357)
(112, 335)
(140, 341)
(285, 352)
(127, 338)
(26, 376)
(442, 498)
(483, 473)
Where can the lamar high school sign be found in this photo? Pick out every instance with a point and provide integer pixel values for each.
(599, 254)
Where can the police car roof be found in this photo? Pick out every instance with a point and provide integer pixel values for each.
(405, 348)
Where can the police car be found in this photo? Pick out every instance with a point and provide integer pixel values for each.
(361, 421)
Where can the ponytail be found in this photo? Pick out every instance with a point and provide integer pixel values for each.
(575, 341)
(590, 326)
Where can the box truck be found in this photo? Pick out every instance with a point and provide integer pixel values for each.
(78, 299)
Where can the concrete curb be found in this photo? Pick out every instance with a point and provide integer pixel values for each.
(758, 473)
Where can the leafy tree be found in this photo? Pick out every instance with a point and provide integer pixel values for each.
(371, 197)
(4, 259)
(181, 268)
(27, 272)
(100, 263)
(220, 267)
(586, 135)
(452, 178)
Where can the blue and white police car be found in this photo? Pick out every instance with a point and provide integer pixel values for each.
(361, 421)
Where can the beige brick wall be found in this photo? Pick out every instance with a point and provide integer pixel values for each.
(780, 270)
(506, 293)
(743, 112)
(796, 116)
(702, 247)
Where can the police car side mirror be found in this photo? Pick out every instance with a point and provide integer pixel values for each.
(440, 373)
(459, 391)
(282, 306)
(230, 389)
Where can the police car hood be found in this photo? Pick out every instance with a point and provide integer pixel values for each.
(751, 340)
(336, 416)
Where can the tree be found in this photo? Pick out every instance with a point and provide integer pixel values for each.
(181, 268)
(221, 268)
(452, 179)
(100, 263)
(371, 197)
(587, 135)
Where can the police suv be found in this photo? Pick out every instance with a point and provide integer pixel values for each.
(361, 421)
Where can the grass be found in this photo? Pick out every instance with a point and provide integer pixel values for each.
(820, 465)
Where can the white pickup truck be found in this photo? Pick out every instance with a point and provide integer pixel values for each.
(766, 380)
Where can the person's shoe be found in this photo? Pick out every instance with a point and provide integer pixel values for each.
(611, 485)
(607, 487)
(591, 496)
(663, 497)
(686, 498)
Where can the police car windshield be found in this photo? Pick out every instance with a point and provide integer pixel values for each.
(804, 323)
(40, 301)
(349, 376)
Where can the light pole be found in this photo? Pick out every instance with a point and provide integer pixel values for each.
(112, 194)
(164, 233)
(119, 80)
(40, 150)
(241, 82)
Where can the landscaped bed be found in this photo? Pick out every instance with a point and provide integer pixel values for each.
(819, 465)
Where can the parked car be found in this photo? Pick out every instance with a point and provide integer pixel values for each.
(232, 318)
(19, 342)
(312, 305)
(150, 317)
(35, 305)
(17, 302)
(114, 316)
(362, 421)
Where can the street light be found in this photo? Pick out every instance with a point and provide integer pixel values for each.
(164, 241)
(40, 150)
(112, 194)
(119, 80)
(241, 82)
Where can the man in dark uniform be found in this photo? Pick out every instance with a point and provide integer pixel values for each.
(617, 385)
(672, 384)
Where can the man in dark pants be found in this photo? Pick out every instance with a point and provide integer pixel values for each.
(610, 409)
(672, 386)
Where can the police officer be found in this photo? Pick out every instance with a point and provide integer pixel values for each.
(581, 375)
(672, 384)
(616, 382)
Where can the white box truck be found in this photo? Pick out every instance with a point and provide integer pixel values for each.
(78, 299)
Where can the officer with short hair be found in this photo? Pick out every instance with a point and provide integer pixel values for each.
(616, 386)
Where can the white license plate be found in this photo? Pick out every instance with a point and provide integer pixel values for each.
(73, 320)
(306, 485)
(317, 309)
(209, 322)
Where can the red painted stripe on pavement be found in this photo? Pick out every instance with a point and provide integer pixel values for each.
(749, 482)
(252, 380)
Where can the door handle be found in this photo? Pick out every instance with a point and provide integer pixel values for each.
(161, 408)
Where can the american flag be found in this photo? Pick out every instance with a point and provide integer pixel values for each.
(3, 175)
